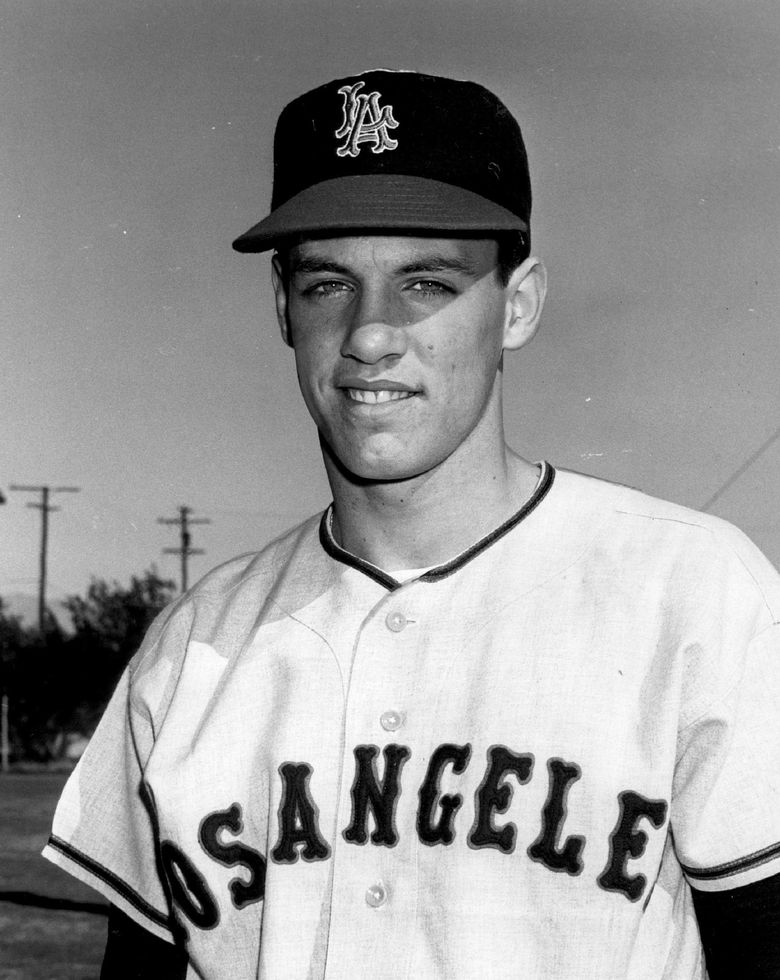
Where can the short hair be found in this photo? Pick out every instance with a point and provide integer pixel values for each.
(514, 247)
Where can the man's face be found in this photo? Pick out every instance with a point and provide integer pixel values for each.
(398, 345)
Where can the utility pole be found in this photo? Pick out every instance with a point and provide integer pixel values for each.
(4, 746)
(44, 507)
(184, 521)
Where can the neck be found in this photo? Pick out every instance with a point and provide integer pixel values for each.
(428, 519)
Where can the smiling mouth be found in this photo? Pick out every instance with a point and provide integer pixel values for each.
(377, 397)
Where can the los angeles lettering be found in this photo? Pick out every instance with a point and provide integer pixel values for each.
(300, 838)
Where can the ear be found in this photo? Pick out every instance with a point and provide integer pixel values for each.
(280, 292)
(525, 293)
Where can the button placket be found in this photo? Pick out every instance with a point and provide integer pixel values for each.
(391, 721)
(396, 621)
(377, 697)
(376, 895)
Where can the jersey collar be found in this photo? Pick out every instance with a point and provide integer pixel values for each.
(334, 549)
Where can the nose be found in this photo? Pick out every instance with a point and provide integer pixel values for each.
(375, 330)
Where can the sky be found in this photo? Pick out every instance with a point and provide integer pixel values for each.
(140, 356)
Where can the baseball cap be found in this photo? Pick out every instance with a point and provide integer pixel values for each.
(395, 150)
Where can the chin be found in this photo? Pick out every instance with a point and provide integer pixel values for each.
(360, 467)
(380, 471)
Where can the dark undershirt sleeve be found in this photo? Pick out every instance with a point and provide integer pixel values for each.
(132, 953)
(740, 930)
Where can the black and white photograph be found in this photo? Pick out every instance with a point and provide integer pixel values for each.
(389, 493)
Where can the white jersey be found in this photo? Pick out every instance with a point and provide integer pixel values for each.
(514, 765)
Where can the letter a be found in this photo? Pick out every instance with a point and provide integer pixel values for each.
(298, 818)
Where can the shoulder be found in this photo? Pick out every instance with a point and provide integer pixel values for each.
(621, 505)
(215, 619)
(657, 537)
(259, 571)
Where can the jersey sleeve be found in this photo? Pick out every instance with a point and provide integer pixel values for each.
(726, 801)
(104, 830)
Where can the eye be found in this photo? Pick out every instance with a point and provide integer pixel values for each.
(326, 287)
(430, 287)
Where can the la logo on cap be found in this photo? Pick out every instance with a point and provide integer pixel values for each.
(364, 122)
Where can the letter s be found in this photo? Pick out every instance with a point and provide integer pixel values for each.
(243, 893)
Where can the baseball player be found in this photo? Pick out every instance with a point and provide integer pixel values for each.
(480, 719)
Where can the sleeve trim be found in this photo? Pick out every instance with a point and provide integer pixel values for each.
(110, 879)
(753, 860)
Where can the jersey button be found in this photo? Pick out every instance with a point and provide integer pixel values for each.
(391, 721)
(396, 621)
(376, 895)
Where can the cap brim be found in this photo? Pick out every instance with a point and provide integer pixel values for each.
(379, 201)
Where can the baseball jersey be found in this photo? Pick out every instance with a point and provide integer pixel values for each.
(515, 764)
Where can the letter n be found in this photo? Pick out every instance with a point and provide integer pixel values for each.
(626, 841)
(298, 815)
(381, 799)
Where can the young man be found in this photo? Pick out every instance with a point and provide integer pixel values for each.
(482, 718)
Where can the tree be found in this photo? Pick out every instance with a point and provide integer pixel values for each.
(13, 638)
(116, 618)
(60, 683)
(109, 625)
(11, 634)
(30, 669)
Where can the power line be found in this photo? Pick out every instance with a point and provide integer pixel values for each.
(45, 508)
(738, 472)
(184, 521)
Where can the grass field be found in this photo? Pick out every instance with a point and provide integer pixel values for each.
(51, 926)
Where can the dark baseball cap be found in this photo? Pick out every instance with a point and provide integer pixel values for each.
(395, 150)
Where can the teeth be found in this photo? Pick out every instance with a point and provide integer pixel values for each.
(375, 397)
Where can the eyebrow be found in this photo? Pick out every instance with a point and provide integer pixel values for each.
(317, 265)
(438, 263)
(428, 263)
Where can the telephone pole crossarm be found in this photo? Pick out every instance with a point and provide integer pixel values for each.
(184, 522)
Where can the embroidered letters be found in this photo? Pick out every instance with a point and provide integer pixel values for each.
(375, 800)
(364, 122)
